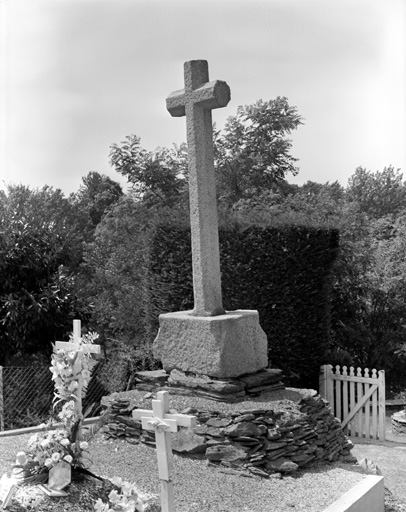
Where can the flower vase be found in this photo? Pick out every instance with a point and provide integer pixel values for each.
(60, 476)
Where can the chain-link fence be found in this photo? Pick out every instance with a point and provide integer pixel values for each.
(26, 395)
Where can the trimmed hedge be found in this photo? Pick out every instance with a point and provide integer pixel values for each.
(284, 273)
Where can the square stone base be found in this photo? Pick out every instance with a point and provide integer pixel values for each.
(221, 346)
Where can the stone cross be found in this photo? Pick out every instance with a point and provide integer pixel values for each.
(196, 101)
(163, 423)
(84, 349)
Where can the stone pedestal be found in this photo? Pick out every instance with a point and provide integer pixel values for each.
(221, 346)
(399, 423)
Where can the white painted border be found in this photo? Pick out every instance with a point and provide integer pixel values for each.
(367, 496)
(28, 430)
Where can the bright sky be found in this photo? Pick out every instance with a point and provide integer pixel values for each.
(79, 75)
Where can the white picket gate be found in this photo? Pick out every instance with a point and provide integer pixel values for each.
(357, 400)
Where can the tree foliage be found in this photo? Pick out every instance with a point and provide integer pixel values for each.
(156, 176)
(378, 193)
(96, 195)
(40, 250)
(252, 153)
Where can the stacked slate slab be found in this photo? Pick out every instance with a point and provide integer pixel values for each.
(263, 435)
(224, 390)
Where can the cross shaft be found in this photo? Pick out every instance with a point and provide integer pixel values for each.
(196, 101)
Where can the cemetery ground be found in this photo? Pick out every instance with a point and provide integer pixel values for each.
(199, 486)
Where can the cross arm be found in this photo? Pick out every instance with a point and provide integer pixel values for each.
(87, 348)
(182, 419)
(209, 96)
(152, 423)
(175, 103)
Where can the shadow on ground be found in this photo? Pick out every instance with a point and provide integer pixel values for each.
(390, 457)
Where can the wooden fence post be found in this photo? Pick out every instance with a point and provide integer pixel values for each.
(323, 381)
(381, 404)
(1, 400)
(326, 384)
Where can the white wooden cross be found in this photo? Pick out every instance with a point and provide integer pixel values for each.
(84, 349)
(163, 423)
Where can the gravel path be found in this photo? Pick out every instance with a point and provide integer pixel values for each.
(391, 460)
(200, 487)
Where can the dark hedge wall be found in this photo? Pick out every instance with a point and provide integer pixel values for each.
(284, 273)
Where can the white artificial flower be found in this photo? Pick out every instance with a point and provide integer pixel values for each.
(99, 506)
(83, 445)
(64, 442)
(73, 385)
(55, 457)
(45, 443)
(86, 374)
(48, 462)
(68, 458)
(32, 441)
(21, 458)
(118, 481)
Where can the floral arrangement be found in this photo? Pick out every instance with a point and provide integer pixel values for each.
(50, 446)
(127, 499)
(68, 367)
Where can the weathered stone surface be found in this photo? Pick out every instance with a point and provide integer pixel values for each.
(258, 472)
(179, 378)
(282, 465)
(214, 432)
(275, 446)
(226, 452)
(398, 420)
(370, 467)
(186, 441)
(208, 345)
(195, 102)
(211, 441)
(218, 422)
(274, 434)
(153, 376)
(269, 387)
(245, 440)
(262, 378)
(244, 417)
(129, 421)
(243, 428)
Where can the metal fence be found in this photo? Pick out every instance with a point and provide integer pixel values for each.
(26, 395)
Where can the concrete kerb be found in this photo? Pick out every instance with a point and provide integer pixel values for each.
(367, 495)
(38, 428)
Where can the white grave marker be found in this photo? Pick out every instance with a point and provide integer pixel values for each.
(163, 423)
(77, 345)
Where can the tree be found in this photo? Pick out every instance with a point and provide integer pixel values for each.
(97, 194)
(252, 154)
(156, 176)
(40, 249)
(370, 300)
(378, 194)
